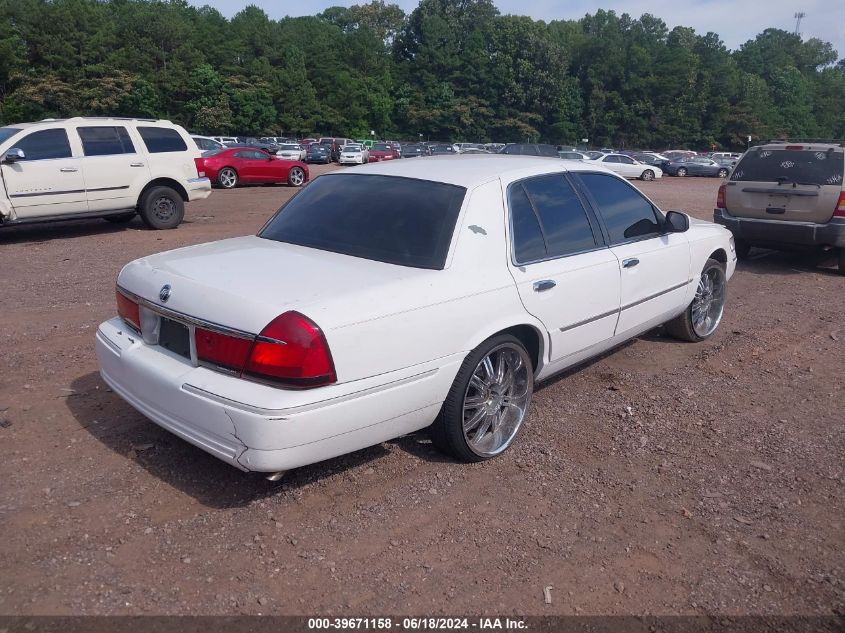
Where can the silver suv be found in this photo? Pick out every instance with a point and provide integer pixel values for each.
(785, 195)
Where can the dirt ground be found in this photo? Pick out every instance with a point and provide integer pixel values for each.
(663, 478)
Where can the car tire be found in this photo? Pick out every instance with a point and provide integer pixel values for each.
(120, 218)
(647, 175)
(742, 247)
(227, 178)
(487, 395)
(703, 315)
(681, 172)
(161, 208)
(296, 177)
(723, 173)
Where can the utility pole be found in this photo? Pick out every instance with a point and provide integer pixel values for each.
(799, 15)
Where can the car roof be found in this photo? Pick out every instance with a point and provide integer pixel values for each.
(473, 169)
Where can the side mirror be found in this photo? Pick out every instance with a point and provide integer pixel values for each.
(677, 222)
(13, 155)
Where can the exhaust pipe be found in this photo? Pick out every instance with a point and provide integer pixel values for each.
(276, 476)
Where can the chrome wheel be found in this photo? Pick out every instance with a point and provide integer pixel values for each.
(164, 208)
(296, 177)
(723, 173)
(648, 175)
(709, 302)
(227, 178)
(682, 172)
(496, 399)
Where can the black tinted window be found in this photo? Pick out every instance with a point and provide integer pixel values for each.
(389, 219)
(103, 141)
(818, 168)
(626, 213)
(45, 144)
(162, 139)
(8, 132)
(528, 244)
(562, 217)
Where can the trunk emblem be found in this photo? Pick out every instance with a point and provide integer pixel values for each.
(164, 293)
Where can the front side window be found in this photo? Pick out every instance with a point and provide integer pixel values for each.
(105, 141)
(162, 139)
(402, 221)
(558, 214)
(45, 144)
(627, 214)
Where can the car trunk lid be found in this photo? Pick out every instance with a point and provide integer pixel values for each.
(795, 183)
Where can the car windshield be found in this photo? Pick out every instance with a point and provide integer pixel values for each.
(351, 148)
(389, 219)
(296, 147)
(791, 166)
(382, 147)
(318, 149)
(8, 132)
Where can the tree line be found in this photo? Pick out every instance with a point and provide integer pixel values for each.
(450, 70)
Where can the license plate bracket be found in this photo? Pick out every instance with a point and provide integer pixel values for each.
(176, 337)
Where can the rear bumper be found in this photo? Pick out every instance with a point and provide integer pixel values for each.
(255, 427)
(783, 232)
(198, 189)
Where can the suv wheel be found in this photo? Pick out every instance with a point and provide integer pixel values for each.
(161, 208)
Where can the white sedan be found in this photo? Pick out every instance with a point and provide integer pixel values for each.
(354, 154)
(407, 294)
(628, 167)
(291, 151)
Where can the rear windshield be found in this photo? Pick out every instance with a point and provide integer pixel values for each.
(388, 219)
(792, 166)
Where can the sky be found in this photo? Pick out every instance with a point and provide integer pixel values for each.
(736, 21)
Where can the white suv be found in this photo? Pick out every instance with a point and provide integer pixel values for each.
(98, 167)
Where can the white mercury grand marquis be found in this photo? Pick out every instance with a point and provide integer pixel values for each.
(409, 294)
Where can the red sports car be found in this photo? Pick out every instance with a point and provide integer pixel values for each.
(231, 167)
(383, 151)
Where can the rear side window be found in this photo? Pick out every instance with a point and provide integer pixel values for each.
(162, 139)
(791, 166)
(104, 141)
(45, 144)
(528, 242)
(400, 221)
(626, 213)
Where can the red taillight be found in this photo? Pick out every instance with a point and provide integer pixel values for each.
(292, 350)
(200, 163)
(720, 197)
(840, 207)
(226, 351)
(128, 310)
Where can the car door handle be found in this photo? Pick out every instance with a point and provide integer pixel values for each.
(69, 169)
(543, 285)
(136, 164)
(630, 262)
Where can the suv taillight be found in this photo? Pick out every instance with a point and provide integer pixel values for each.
(720, 197)
(128, 310)
(292, 350)
(840, 207)
(200, 163)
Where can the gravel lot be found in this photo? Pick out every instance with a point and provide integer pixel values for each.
(664, 478)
